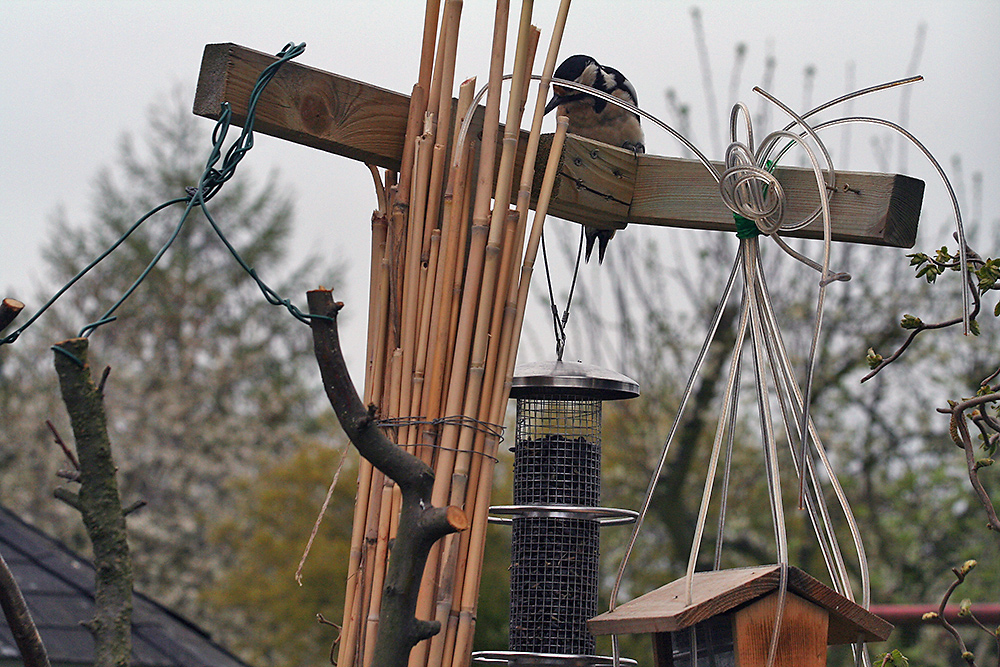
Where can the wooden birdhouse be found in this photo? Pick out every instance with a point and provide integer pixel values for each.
(730, 620)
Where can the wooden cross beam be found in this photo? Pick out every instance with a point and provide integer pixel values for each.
(598, 184)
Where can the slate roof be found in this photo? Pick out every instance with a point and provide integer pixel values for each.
(58, 587)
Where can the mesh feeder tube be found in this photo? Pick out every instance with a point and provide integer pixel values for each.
(556, 516)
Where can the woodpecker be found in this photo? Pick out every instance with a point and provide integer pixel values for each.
(595, 118)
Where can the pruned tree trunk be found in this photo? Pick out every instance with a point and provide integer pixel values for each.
(9, 310)
(99, 504)
(420, 524)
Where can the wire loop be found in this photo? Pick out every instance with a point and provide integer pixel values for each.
(209, 184)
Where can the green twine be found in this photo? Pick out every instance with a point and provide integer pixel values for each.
(745, 227)
(66, 353)
(210, 183)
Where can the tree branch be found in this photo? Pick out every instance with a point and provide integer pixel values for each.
(100, 506)
(22, 627)
(939, 615)
(9, 310)
(62, 445)
(960, 434)
(921, 327)
(420, 524)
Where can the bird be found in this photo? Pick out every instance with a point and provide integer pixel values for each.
(595, 118)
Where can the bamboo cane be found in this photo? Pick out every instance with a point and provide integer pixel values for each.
(383, 327)
(531, 150)
(383, 519)
(446, 82)
(426, 324)
(378, 377)
(491, 256)
(466, 91)
(449, 645)
(431, 10)
(478, 368)
(447, 268)
(477, 538)
(456, 290)
(445, 593)
(448, 335)
(375, 320)
(490, 442)
(456, 382)
(355, 579)
(447, 604)
(414, 121)
(399, 214)
(509, 254)
(350, 632)
(380, 229)
(378, 581)
(478, 363)
(443, 80)
(355, 630)
(411, 280)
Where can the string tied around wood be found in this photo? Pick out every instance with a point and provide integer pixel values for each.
(464, 421)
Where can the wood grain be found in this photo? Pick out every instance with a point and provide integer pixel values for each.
(801, 640)
(881, 209)
(305, 105)
(599, 185)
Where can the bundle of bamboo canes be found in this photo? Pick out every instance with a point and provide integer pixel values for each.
(446, 308)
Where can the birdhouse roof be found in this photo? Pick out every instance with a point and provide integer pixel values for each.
(719, 591)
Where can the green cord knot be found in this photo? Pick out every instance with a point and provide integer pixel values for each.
(745, 227)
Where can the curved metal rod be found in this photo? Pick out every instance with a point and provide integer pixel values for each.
(724, 423)
(467, 120)
(685, 397)
(947, 184)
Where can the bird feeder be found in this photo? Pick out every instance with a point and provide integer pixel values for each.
(556, 516)
(730, 619)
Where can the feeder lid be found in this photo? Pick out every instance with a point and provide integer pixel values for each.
(571, 379)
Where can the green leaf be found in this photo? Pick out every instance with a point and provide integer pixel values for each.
(893, 659)
(911, 322)
(974, 327)
(986, 282)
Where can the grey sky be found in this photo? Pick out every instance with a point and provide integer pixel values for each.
(76, 75)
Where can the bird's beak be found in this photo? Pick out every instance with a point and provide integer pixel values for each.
(553, 103)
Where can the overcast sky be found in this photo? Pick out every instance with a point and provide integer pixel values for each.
(76, 75)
